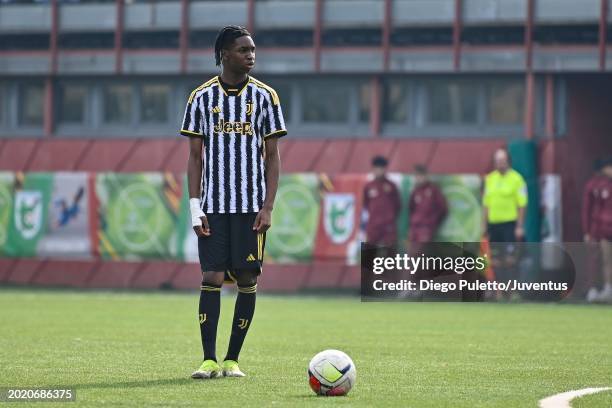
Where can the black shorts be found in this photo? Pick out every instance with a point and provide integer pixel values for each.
(502, 232)
(232, 244)
(502, 238)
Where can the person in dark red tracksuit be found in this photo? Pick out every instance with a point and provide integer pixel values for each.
(381, 204)
(428, 208)
(602, 218)
(590, 207)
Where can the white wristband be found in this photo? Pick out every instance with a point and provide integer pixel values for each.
(196, 212)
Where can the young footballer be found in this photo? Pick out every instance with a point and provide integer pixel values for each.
(233, 122)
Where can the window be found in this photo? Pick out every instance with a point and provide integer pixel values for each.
(2, 105)
(31, 100)
(154, 103)
(506, 102)
(340, 37)
(364, 102)
(24, 41)
(326, 101)
(283, 38)
(86, 40)
(151, 39)
(395, 106)
(493, 35)
(118, 104)
(410, 36)
(566, 34)
(452, 102)
(205, 38)
(72, 104)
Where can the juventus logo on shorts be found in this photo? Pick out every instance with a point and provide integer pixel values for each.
(202, 317)
(243, 323)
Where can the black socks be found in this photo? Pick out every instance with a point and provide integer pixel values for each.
(210, 305)
(243, 314)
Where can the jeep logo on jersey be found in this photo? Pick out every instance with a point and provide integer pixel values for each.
(245, 128)
(339, 216)
(28, 213)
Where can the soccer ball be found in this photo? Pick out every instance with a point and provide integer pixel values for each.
(331, 373)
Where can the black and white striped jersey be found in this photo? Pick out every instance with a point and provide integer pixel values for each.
(235, 122)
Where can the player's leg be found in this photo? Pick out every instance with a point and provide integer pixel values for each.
(244, 309)
(606, 261)
(247, 249)
(214, 260)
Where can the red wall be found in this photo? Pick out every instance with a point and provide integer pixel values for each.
(297, 155)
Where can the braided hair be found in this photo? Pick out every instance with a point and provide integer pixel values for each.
(226, 36)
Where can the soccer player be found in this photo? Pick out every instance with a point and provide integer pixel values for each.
(233, 122)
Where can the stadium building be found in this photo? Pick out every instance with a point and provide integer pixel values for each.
(101, 85)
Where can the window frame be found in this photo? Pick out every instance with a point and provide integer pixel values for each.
(20, 97)
(59, 102)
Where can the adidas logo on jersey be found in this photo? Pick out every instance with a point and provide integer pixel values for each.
(216, 109)
(250, 258)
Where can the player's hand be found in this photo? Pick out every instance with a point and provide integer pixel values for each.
(198, 218)
(519, 233)
(263, 221)
(204, 229)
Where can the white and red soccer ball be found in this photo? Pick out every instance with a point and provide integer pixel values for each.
(331, 373)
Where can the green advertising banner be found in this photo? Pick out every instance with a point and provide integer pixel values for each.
(138, 214)
(7, 181)
(463, 223)
(462, 193)
(294, 220)
(27, 220)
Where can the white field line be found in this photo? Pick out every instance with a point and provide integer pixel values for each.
(563, 400)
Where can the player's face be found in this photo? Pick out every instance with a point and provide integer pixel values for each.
(501, 161)
(240, 57)
(378, 171)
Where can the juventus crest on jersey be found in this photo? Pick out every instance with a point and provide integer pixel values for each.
(234, 123)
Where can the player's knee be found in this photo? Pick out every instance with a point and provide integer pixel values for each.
(246, 278)
(213, 278)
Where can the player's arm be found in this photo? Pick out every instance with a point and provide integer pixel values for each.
(485, 210)
(263, 221)
(442, 205)
(274, 128)
(521, 200)
(194, 177)
(587, 204)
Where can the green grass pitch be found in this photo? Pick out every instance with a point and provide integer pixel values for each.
(139, 349)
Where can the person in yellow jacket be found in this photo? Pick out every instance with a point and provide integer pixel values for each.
(504, 201)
